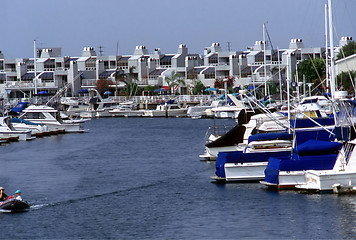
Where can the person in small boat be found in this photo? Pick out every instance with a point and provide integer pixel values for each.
(3, 195)
(18, 195)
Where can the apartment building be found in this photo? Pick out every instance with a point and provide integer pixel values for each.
(255, 65)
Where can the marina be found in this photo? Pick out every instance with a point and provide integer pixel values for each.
(117, 182)
(193, 143)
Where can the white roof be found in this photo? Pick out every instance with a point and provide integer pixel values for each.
(82, 59)
(41, 60)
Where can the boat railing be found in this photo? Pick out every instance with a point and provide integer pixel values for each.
(216, 131)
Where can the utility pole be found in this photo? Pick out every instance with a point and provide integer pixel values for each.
(101, 50)
(229, 46)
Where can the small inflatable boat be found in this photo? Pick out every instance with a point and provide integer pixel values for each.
(14, 205)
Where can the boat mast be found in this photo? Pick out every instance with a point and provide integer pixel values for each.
(35, 64)
(288, 96)
(326, 49)
(332, 53)
(279, 77)
(264, 58)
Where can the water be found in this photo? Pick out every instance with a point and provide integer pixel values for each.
(140, 178)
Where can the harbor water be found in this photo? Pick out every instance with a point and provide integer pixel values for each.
(141, 178)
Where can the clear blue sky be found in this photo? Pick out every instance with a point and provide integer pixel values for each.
(74, 24)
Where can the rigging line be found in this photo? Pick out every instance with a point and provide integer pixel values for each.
(269, 39)
(348, 115)
(321, 81)
(343, 55)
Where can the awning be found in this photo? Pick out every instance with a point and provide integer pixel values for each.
(209, 70)
(29, 76)
(106, 74)
(210, 89)
(46, 76)
(157, 72)
(160, 90)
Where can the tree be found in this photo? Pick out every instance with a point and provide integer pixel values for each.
(347, 50)
(103, 85)
(219, 83)
(312, 69)
(126, 78)
(344, 81)
(150, 89)
(198, 88)
(174, 80)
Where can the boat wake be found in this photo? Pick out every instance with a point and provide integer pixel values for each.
(108, 194)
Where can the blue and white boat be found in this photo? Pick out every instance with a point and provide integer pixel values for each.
(287, 172)
(249, 164)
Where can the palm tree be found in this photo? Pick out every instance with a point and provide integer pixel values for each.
(127, 78)
(174, 80)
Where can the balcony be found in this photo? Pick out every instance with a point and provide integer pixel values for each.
(16, 85)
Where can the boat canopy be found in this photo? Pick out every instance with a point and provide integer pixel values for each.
(316, 147)
(18, 108)
(270, 136)
(297, 163)
(20, 120)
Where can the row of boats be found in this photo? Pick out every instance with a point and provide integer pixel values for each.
(26, 122)
(95, 106)
(309, 146)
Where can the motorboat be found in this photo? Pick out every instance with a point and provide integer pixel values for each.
(14, 205)
(127, 109)
(286, 173)
(50, 117)
(98, 106)
(227, 110)
(73, 106)
(168, 109)
(37, 129)
(236, 138)
(201, 111)
(342, 174)
(250, 163)
(7, 130)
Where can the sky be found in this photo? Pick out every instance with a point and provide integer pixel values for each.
(121, 25)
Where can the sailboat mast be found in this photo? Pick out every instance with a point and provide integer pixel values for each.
(35, 64)
(264, 58)
(326, 50)
(279, 77)
(332, 53)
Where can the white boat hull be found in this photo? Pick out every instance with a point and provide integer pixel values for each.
(245, 171)
(324, 180)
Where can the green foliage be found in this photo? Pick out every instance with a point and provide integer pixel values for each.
(198, 88)
(150, 88)
(174, 80)
(345, 83)
(131, 89)
(347, 50)
(312, 69)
